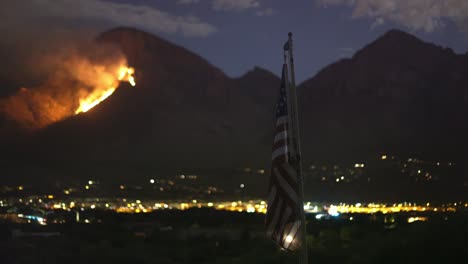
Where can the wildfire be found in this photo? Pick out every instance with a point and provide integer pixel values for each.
(89, 101)
(68, 81)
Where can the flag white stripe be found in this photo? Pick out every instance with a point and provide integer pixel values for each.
(276, 216)
(285, 185)
(281, 136)
(279, 152)
(292, 233)
(271, 196)
(286, 215)
(282, 120)
(290, 170)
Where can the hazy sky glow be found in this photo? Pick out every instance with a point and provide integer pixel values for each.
(236, 35)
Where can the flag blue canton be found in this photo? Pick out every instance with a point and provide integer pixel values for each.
(282, 105)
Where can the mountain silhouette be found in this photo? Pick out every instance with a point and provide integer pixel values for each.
(183, 113)
(396, 95)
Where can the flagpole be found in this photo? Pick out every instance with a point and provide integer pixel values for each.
(297, 147)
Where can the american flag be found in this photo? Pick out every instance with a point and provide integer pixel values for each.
(283, 218)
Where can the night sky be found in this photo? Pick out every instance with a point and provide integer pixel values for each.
(236, 35)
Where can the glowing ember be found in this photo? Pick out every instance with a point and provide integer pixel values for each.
(91, 100)
(126, 74)
(94, 99)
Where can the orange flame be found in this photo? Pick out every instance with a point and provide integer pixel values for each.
(91, 100)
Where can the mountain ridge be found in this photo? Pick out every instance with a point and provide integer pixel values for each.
(186, 113)
(401, 98)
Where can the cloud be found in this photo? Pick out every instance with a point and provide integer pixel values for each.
(187, 2)
(426, 15)
(141, 16)
(379, 21)
(266, 12)
(234, 5)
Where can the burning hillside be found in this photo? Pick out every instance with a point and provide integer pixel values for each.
(105, 88)
(75, 84)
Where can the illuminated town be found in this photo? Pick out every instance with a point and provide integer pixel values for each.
(172, 192)
(132, 206)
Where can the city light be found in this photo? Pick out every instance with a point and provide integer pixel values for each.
(333, 211)
(319, 216)
(249, 206)
(417, 219)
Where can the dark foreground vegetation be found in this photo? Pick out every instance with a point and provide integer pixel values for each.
(208, 236)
